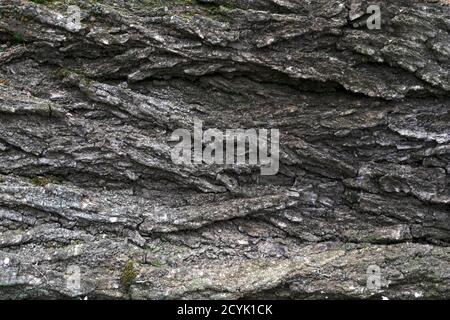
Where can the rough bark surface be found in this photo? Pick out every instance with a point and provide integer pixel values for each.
(86, 177)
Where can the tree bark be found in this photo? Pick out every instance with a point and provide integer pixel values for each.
(88, 187)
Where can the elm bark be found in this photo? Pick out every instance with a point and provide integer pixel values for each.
(87, 181)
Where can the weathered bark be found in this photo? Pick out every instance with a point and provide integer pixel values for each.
(86, 177)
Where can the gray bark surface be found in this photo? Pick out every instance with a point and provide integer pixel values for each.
(86, 177)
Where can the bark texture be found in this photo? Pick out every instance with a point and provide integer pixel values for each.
(86, 177)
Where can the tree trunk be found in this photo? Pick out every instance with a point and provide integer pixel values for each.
(91, 203)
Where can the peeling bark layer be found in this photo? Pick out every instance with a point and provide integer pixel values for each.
(86, 177)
